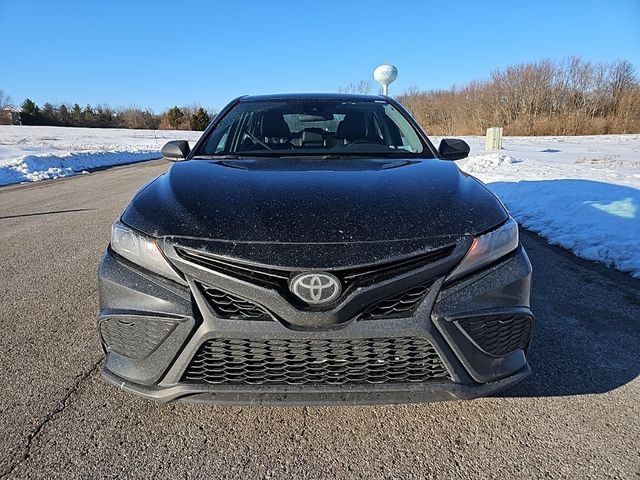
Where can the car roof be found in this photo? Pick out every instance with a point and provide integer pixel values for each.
(312, 96)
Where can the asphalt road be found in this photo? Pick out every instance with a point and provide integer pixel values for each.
(577, 416)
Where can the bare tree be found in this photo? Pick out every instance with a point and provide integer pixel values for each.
(621, 79)
(363, 87)
(135, 117)
(572, 97)
(5, 100)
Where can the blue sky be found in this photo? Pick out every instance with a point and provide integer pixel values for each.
(158, 54)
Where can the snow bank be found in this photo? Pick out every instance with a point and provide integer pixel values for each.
(597, 221)
(29, 154)
(31, 168)
(581, 193)
(487, 162)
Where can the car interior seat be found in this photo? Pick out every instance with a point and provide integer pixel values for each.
(274, 131)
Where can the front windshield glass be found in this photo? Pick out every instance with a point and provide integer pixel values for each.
(314, 127)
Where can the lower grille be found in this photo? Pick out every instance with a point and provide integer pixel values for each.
(231, 306)
(315, 362)
(398, 305)
(134, 338)
(498, 334)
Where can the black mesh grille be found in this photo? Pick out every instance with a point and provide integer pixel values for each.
(498, 334)
(315, 362)
(231, 306)
(134, 338)
(399, 305)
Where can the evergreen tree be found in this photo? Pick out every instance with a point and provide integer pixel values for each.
(30, 112)
(48, 115)
(88, 117)
(200, 119)
(104, 116)
(63, 113)
(76, 115)
(175, 117)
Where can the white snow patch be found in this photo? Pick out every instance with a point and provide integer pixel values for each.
(582, 193)
(29, 154)
(597, 221)
(31, 168)
(487, 162)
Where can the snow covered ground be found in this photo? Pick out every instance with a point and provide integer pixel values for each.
(582, 193)
(29, 154)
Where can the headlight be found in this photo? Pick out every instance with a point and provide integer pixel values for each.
(142, 250)
(488, 248)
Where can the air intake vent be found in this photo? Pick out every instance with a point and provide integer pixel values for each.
(134, 338)
(498, 335)
(231, 306)
(401, 305)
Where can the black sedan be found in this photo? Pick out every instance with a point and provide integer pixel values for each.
(314, 249)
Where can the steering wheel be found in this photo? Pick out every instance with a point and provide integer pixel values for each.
(258, 141)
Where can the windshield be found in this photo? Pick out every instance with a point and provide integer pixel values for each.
(314, 127)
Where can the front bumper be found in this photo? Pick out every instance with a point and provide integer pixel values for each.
(345, 395)
(154, 364)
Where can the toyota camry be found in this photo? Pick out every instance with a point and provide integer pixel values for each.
(314, 249)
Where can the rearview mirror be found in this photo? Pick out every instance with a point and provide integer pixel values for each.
(176, 150)
(453, 149)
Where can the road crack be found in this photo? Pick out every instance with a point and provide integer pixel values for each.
(305, 417)
(63, 403)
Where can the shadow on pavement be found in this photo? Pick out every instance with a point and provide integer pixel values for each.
(587, 328)
(52, 212)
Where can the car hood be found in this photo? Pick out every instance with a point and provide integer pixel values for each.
(314, 201)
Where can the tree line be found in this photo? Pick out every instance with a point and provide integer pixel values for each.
(568, 97)
(192, 117)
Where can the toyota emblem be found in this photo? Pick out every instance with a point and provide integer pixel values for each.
(316, 288)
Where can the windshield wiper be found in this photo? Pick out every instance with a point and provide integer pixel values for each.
(337, 156)
(233, 156)
(216, 157)
(289, 154)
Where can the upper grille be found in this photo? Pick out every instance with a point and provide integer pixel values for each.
(315, 362)
(498, 334)
(134, 338)
(398, 305)
(276, 277)
(265, 276)
(231, 306)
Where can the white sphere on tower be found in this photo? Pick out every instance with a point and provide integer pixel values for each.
(385, 75)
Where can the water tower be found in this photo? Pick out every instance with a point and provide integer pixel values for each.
(385, 75)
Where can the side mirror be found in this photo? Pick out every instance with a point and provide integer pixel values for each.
(453, 149)
(176, 150)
